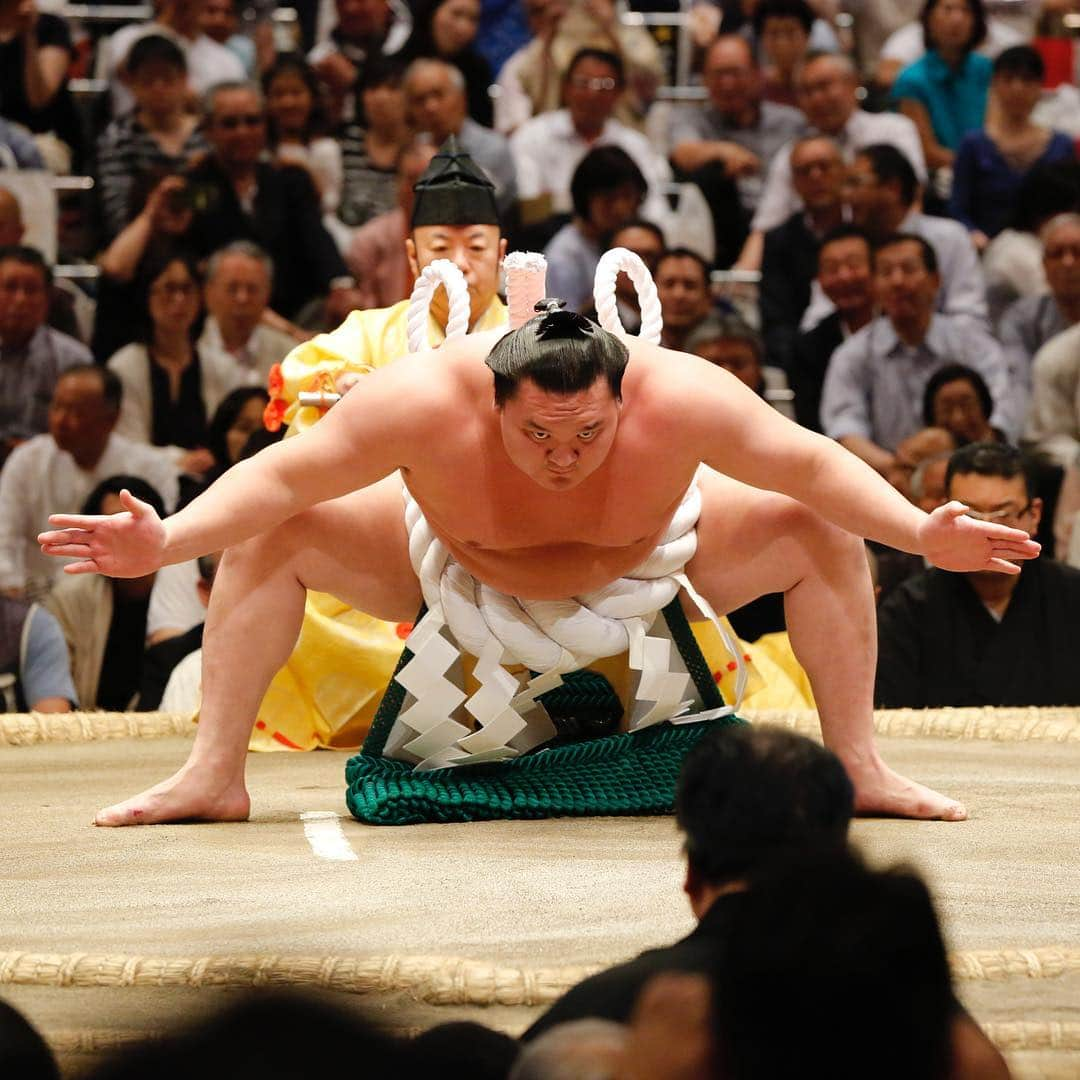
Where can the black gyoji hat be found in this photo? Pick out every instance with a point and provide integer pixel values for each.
(453, 190)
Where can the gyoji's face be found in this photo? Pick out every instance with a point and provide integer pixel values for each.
(559, 440)
(476, 250)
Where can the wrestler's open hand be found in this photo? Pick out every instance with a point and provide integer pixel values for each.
(125, 545)
(952, 540)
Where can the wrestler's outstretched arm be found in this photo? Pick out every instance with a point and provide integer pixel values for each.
(360, 441)
(742, 436)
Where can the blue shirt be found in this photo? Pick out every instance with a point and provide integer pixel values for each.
(955, 99)
(985, 185)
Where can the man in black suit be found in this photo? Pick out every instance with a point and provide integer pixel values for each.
(745, 797)
(237, 196)
(844, 274)
(790, 260)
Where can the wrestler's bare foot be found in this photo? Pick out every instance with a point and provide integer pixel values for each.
(880, 792)
(190, 795)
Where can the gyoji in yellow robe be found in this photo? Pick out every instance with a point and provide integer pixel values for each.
(331, 685)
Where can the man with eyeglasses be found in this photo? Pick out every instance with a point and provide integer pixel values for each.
(952, 639)
(549, 147)
(235, 195)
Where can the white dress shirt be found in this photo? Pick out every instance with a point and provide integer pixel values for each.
(40, 479)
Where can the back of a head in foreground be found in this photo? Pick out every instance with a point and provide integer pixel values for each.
(272, 1036)
(23, 1052)
(747, 795)
(578, 1050)
(464, 1050)
(834, 970)
(560, 351)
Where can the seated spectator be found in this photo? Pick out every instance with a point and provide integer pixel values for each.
(745, 797)
(376, 255)
(928, 444)
(958, 400)
(171, 677)
(1012, 261)
(34, 670)
(1030, 322)
(728, 342)
(435, 96)
(208, 63)
(607, 191)
(371, 146)
(32, 353)
(53, 473)
(17, 147)
(23, 1052)
(883, 192)
(241, 197)
(103, 618)
(875, 381)
(236, 419)
(296, 127)
(790, 260)
(531, 80)
(362, 32)
(782, 29)
(239, 280)
(574, 1048)
(733, 139)
(985, 638)
(845, 277)
(61, 314)
(548, 148)
(824, 936)
(35, 53)
(685, 290)
(1054, 420)
(827, 86)
(219, 21)
(944, 92)
(646, 241)
(171, 386)
(991, 163)
(446, 30)
(157, 137)
(907, 43)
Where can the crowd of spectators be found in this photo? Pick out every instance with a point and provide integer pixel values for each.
(875, 224)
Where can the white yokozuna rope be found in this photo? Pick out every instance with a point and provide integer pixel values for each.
(607, 311)
(440, 272)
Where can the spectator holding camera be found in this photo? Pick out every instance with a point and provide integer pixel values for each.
(159, 136)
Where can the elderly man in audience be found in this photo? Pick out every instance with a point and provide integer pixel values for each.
(34, 671)
(104, 619)
(208, 62)
(729, 143)
(949, 639)
(685, 291)
(32, 354)
(237, 287)
(54, 473)
(548, 147)
(875, 381)
(790, 261)
(828, 86)
(729, 342)
(845, 277)
(236, 195)
(437, 105)
(160, 135)
(883, 192)
(1030, 322)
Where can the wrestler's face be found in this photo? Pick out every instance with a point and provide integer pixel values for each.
(559, 440)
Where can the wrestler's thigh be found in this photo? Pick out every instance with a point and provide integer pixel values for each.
(750, 542)
(357, 549)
